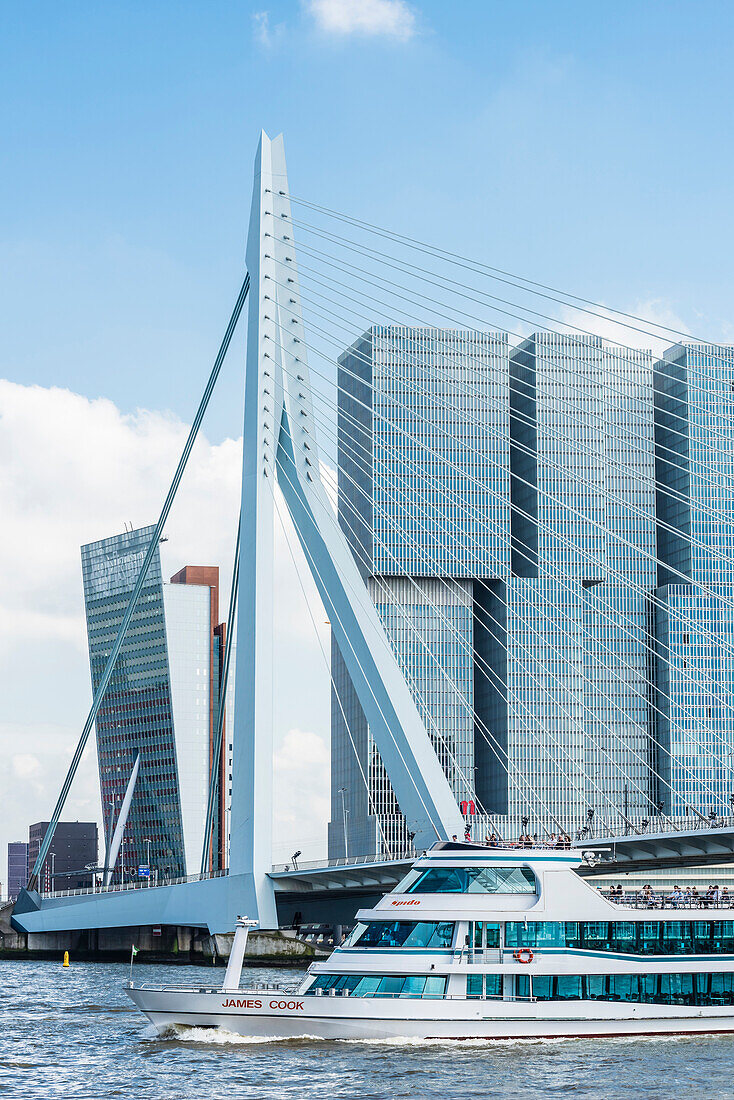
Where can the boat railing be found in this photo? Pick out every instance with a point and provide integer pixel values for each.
(410, 996)
(667, 901)
(253, 987)
(291, 991)
(481, 955)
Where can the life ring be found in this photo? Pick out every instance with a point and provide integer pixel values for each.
(523, 955)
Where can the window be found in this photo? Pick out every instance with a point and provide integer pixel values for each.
(474, 984)
(646, 937)
(665, 989)
(483, 985)
(474, 880)
(484, 934)
(438, 934)
(378, 985)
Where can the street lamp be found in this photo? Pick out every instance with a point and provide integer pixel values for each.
(342, 792)
(147, 841)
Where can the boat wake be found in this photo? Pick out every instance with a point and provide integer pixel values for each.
(217, 1036)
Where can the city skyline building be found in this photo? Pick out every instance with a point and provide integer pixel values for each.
(161, 704)
(418, 556)
(694, 629)
(17, 867)
(73, 851)
(506, 508)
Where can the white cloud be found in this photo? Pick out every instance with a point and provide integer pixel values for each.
(628, 331)
(301, 779)
(265, 33)
(26, 766)
(374, 18)
(73, 470)
(261, 27)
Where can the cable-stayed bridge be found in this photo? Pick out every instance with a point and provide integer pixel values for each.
(522, 534)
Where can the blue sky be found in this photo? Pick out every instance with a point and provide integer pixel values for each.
(585, 145)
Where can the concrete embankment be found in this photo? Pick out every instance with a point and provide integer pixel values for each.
(169, 944)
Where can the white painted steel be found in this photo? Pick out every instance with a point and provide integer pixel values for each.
(121, 822)
(278, 433)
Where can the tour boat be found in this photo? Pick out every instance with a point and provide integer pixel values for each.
(487, 943)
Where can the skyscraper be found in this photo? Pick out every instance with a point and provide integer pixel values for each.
(507, 509)
(694, 628)
(17, 867)
(161, 703)
(416, 404)
(573, 657)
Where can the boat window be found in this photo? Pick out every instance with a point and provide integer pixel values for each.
(483, 985)
(368, 985)
(354, 935)
(596, 987)
(435, 987)
(380, 985)
(666, 989)
(568, 987)
(474, 880)
(404, 933)
(484, 934)
(676, 937)
(474, 984)
(395, 985)
(542, 987)
(413, 986)
(404, 884)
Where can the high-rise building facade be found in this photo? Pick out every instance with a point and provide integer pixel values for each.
(507, 509)
(161, 703)
(17, 867)
(414, 405)
(694, 601)
(573, 654)
(73, 851)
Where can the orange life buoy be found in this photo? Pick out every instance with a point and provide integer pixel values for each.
(523, 955)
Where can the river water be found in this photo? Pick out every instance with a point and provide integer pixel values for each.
(74, 1035)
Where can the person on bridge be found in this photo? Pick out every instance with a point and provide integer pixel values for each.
(676, 898)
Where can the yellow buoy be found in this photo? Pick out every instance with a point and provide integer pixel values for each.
(66, 958)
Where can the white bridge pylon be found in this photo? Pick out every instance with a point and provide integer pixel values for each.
(280, 441)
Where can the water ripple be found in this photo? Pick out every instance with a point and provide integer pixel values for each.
(76, 1037)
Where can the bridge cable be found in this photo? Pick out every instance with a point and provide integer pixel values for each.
(117, 646)
(217, 776)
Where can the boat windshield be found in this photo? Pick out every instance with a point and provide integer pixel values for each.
(474, 880)
(403, 933)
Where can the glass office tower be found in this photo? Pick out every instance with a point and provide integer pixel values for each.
(423, 447)
(161, 702)
(574, 652)
(507, 509)
(694, 606)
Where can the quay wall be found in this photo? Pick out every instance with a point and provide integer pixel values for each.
(171, 944)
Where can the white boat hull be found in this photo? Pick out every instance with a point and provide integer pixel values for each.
(287, 1016)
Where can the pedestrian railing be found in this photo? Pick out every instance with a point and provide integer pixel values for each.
(136, 884)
